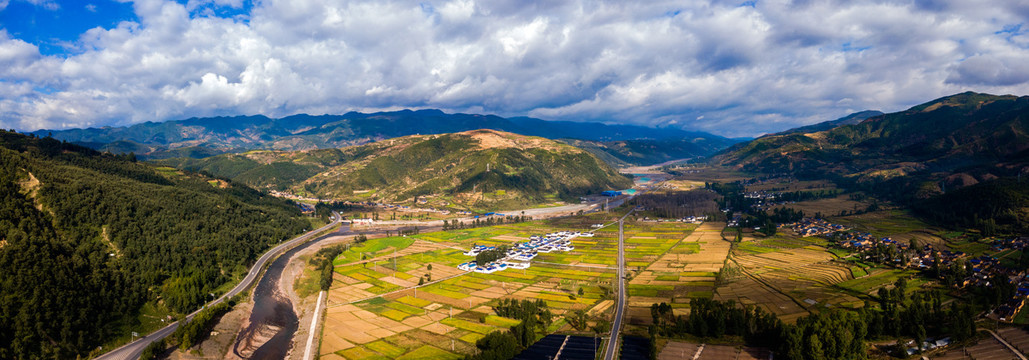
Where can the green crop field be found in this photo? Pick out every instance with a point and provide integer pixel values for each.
(876, 280)
(470, 295)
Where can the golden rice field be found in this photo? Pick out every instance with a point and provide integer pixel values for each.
(787, 276)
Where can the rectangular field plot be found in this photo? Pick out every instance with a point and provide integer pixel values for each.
(373, 248)
(693, 262)
(683, 270)
(876, 279)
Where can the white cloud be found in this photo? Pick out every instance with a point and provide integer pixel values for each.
(713, 66)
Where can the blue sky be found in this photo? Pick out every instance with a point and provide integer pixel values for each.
(734, 68)
(53, 28)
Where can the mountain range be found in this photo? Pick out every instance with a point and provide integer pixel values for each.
(965, 138)
(201, 137)
(852, 119)
(477, 169)
(960, 160)
(625, 153)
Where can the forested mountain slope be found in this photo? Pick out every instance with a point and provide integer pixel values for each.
(86, 239)
(980, 135)
(978, 143)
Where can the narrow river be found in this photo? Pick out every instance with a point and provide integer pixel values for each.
(273, 316)
(273, 310)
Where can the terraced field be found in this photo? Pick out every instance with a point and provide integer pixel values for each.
(1019, 338)
(788, 276)
(986, 349)
(687, 350)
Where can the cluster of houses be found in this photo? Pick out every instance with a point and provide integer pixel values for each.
(519, 255)
(694, 219)
(927, 345)
(761, 195)
(491, 267)
(734, 220)
(401, 208)
(981, 270)
(765, 199)
(1007, 311)
(688, 219)
(816, 227)
(293, 197)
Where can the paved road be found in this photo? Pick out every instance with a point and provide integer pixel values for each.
(132, 350)
(536, 213)
(616, 325)
(275, 309)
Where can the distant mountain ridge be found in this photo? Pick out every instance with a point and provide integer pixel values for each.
(478, 169)
(852, 119)
(199, 137)
(625, 153)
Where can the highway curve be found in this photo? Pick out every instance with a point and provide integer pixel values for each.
(134, 349)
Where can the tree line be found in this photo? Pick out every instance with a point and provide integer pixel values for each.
(679, 204)
(322, 260)
(535, 317)
(832, 334)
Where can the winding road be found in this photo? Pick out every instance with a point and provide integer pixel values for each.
(133, 349)
(277, 311)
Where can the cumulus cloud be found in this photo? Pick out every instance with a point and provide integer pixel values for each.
(704, 65)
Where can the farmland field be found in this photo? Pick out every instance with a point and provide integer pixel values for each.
(809, 185)
(374, 309)
(899, 225)
(828, 207)
(788, 276)
(684, 271)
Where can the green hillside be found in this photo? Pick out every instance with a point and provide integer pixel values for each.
(94, 246)
(968, 134)
(943, 157)
(448, 169)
